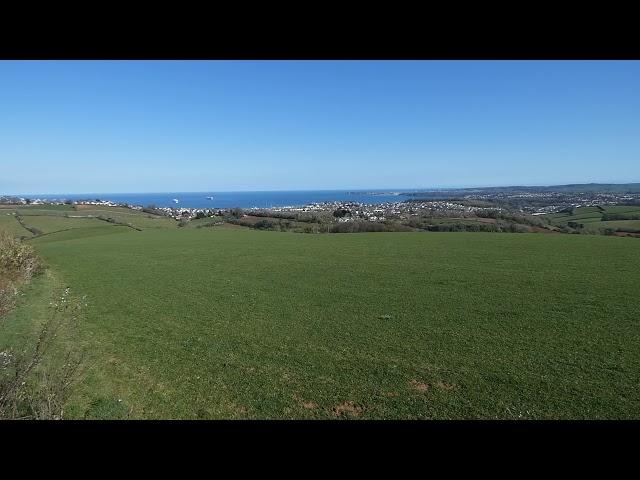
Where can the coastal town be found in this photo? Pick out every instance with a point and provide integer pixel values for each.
(435, 203)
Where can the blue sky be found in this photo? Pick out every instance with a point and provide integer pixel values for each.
(151, 126)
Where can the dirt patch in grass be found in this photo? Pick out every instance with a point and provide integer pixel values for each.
(419, 386)
(347, 408)
(240, 410)
(305, 404)
(445, 385)
(626, 234)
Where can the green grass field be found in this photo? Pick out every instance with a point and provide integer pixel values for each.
(9, 224)
(49, 224)
(237, 323)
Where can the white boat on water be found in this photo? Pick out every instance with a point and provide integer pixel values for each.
(209, 198)
(175, 200)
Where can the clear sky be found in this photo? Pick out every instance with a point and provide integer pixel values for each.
(153, 126)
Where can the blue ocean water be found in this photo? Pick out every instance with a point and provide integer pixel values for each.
(237, 199)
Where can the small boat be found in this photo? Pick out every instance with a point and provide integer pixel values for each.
(209, 198)
(175, 200)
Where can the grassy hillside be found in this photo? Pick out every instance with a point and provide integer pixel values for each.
(236, 323)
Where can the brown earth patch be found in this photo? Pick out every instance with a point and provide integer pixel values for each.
(445, 386)
(304, 404)
(419, 386)
(626, 234)
(347, 408)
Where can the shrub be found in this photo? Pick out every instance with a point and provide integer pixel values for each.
(17, 259)
(31, 388)
(340, 212)
(18, 264)
(264, 224)
(620, 216)
(236, 212)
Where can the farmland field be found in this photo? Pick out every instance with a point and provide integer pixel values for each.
(594, 217)
(9, 224)
(48, 224)
(237, 323)
(49, 219)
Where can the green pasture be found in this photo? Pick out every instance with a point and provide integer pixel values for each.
(48, 224)
(238, 323)
(9, 224)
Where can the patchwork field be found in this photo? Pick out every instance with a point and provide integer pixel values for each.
(47, 219)
(49, 224)
(596, 217)
(237, 323)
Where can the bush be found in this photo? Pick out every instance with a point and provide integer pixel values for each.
(18, 264)
(31, 388)
(264, 224)
(620, 216)
(272, 214)
(341, 212)
(17, 259)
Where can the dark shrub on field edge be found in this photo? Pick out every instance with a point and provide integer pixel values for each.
(620, 216)
(153, 210)
(364, 226)
(264, 224)
(236, 212)
(267, 213)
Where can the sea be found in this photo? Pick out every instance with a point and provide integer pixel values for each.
(266, 199)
